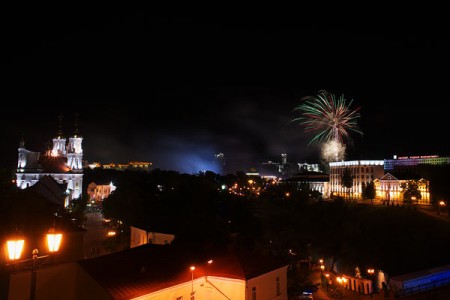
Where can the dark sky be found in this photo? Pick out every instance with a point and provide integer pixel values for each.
(175, 89)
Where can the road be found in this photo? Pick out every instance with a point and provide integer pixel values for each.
(94, 236)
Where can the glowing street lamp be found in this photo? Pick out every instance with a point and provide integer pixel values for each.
(371, 272)
(441, 206)
(327, 276)
(207, 264)
(342, 281)
(192, 281)
(15, 248)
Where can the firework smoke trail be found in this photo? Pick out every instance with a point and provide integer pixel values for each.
(329, 117)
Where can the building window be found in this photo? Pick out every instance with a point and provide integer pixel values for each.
(253, 293)
(278, 286)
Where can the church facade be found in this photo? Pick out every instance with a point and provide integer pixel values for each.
(63, 162)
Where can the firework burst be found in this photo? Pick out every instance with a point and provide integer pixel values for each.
(330, 118)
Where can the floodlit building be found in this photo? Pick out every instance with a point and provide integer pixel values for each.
(141, 236)
(362, 171)
(131, 166)
(317, 181)
(63, 162)
(399, 163)
(389, 189)
(99, 192)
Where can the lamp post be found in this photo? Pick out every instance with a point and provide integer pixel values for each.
(192, 282)
(206, 270)
(342, 281)
(327, 276)
(15, 248)
(441, 206)
(371, 272)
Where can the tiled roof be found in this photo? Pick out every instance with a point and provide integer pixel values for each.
(149, 268)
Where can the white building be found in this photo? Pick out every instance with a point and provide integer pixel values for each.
(63, 162)
(141, 236)
(362, 171)
(99, 192)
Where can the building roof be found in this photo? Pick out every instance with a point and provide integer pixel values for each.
(53, 164)
(51, 190)
(149, 268)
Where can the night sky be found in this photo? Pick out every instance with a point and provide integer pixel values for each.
(175, 89)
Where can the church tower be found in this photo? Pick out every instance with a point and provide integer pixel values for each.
(22, 162)
(59, 141)
(74, 150)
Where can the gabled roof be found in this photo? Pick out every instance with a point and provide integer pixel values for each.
(149, 268)
(388, 176)
(51, 190)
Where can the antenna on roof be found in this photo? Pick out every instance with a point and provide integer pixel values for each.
(76, 131)
(22, 141)
(60, 132)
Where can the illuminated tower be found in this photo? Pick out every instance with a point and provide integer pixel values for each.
(61, 162)
(74, 159)
(59, 142)
(22, 162)
(74, 150)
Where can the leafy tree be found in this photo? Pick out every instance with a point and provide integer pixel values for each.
(368, 191)
(347, 180)
(411, 193)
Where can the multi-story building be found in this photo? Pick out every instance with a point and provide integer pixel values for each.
(99, 192)
(63, 162)
(388, 189)
(413, 162)
(362, 171)
(132, 165)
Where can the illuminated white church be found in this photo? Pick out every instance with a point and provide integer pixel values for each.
(62, 162)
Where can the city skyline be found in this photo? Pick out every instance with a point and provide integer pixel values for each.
(187, 88)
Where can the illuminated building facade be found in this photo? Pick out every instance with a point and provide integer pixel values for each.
(99, 192)
(63, 162)
(362, 171)
(388, 189)
(414, 161)
(316, 181)
(132, 165)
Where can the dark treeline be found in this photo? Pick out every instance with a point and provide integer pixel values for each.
(283, 220)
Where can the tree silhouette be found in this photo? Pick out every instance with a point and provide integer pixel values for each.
(347, 180)
(368, 191)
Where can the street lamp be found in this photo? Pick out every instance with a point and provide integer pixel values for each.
(15, 248)
(441, 206)
(206, 271)
(328, 279)
(371, 272)
(342, 281)
(192, 281)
